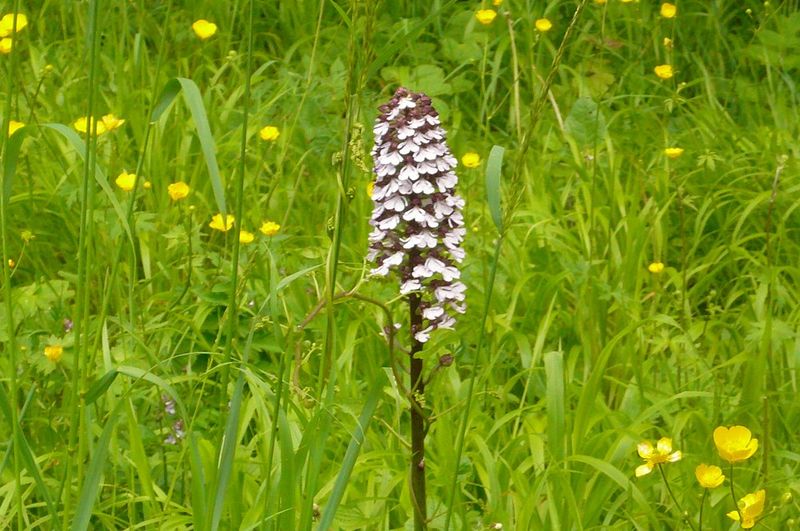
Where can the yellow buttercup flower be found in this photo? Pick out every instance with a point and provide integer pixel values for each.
(709, 476)
(217, 223)
(178, 190)
(673, 152)
(486, 16)
(497, 3)
(13, 125)
(7, 24)
(370, 188)
(656, 267)
(82, 125)
(126, 181)
(246, 237)
(269, 133)
(543, 25)
(735, 444)
(600, 1)
(109, 122)
(11, 263)
(54, 352)
(471, 160)
(668, 10)
(6, 45)
(750, 507)
(269, 228)
(654, 456)
(667, 43)
(204, 29)
(664, 71)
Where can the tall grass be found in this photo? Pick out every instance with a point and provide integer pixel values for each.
(211, 383)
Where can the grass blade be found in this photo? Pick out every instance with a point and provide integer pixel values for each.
(351, 455)
(194, 102)
(494, 169)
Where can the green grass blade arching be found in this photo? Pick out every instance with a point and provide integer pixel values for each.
(349, 461)
(91, 485)
(194, 102)
(29, 459)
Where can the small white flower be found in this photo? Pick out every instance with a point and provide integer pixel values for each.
(433, 313)
(443, 165)
(408, 146)
(420, 271)
(446, 181)
(421, 241)
(377, 235)
(405, 132)
(421, 138)
(396, 203)
(453, 292)
(431, 221)
(446, 321)
(380, 129)
(415, 214)
(384, 170)
(410, 285)
(457, 253)
(406, 103)
(379, 192)
(450, 273)
(389, 223)
(405, 187)
(434, 264)
(425, 154)
(433, 120)
(423, 335)
(441, 209)
(455, 201)
(408, 173)
(423, 187)
(426, 168)
(454, 237)
(394, 158)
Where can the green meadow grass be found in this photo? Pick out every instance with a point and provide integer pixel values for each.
(271, 353)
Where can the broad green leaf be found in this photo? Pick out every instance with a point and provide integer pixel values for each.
(585, 123)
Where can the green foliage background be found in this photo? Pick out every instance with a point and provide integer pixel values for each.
(586, 352)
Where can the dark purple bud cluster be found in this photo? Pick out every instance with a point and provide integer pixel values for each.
(417, 222)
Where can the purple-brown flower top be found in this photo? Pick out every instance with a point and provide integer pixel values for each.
(417, 222)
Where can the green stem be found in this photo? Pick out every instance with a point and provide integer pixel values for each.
(233, 313)
(461, 436)
(702, 506)
(733, 495)
(674, 499)
(78, 380)
(11, 327)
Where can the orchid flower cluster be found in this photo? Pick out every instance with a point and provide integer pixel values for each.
(417, 222)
